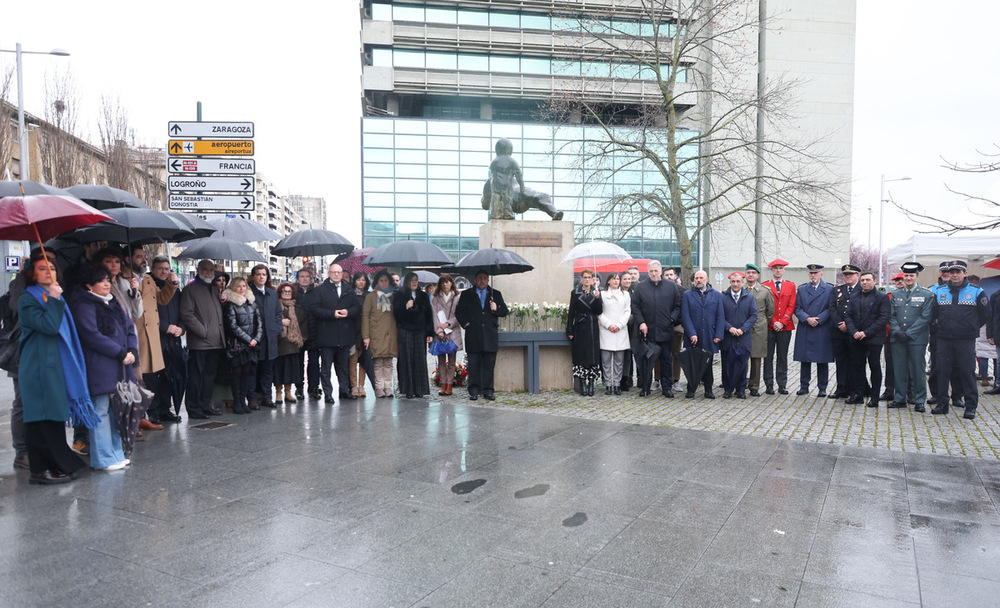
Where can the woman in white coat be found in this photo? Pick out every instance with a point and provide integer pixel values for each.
(614, 332)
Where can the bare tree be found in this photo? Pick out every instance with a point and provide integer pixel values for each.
(7, 118)
(989, 162)
(117, 140)
(65, 156)
(697, 129)
(867, 259)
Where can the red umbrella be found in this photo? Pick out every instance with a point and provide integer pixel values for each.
(353, 262)
(610, 264)
(39, 217)
(994, 264)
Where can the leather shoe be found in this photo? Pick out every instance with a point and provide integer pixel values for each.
(643, 392)
(253, 404)
(329, 400)
(727, 395)
(473, 397)
(21, 461)
(741, 395)
(871, 402)
(769, 391)
(919, 408)
(940, 409)
(886, 396)
(149, 426)
(490, 397)
(970, 413)
(170, 417)
(755, 393)
(212, 411)
(48, 477)
(854, 400)
(349, 397)
(782, 391)
(932, 401)
(821, 394)
(895, 404)
(669, 393)
(197, 416)
(266, 402)
(802, 391)
(689, 395)
(839, 394)
(709, 395)
(314, 395)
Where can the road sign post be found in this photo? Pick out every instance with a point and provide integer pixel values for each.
(211, 202)
(201, 184)
(231, 130)
(235, 166)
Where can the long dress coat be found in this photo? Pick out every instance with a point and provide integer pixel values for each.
(438, 303)
(764, 299)
(270, 315)
(325, 328)
(617, 311)
(379, 326)
(703, 317)
(584, 309)
(814, 344)
(43, 390)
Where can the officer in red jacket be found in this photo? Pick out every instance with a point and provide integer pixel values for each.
(779, 328)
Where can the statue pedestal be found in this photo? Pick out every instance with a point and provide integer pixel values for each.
(544, 244)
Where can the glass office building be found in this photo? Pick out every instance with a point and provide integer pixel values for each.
(444, 81)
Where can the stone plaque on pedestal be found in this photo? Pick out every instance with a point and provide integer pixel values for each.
(544, 244)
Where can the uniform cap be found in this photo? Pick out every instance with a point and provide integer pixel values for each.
(850, 269)
(957, 265)
(736, 274)
(814, 267)
(898, 277)
(753, 267)
(777, 262)
(913, 267)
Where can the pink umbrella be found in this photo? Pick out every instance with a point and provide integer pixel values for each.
(39, 217)
(353, 262)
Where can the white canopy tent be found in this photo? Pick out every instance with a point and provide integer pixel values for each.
(976, 248)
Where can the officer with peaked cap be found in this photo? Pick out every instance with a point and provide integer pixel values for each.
(911, 311)
(814, 340)
(932, 380)
(779, 328)
(840, 337)
(962, 308)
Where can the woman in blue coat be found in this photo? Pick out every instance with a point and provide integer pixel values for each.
(110, 347)
(53, 379)
(740, 309)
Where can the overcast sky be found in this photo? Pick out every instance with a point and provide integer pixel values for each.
(926, 89)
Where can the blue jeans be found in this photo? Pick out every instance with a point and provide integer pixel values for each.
(105, 442)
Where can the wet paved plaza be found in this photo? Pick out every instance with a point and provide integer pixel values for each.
(442, 503)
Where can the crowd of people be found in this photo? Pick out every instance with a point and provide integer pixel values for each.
(250, 343)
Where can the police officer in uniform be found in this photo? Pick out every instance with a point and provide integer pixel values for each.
(962, 308)
(842, 340)
(912, 308)
(932, 382)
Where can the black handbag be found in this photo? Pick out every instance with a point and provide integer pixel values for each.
(10, 349)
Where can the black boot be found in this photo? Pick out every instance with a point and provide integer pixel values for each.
(590, 388)
(607, 390)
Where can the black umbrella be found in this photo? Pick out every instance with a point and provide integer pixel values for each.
(25, 186)
(426, 276)
(492, 261)
(105, 197)
(408, 253)
(646, 353)
(133, 225)
(312, 242)
(368, 364)
(218, 248)
(239, 229)
(199, 227)
(694, 361)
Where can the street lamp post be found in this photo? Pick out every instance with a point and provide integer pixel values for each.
(881, 224)
(22, 133)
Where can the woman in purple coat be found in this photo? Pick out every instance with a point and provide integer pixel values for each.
(110, 347)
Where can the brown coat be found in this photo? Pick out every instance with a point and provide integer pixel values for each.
(380, 327)
(148, 325)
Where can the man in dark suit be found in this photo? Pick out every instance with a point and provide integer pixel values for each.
(867, 315)
(656, 307)
(478, 311)
(813, 341)
(304, 278)
(270, 313)
(332, 308)
(840, 336)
